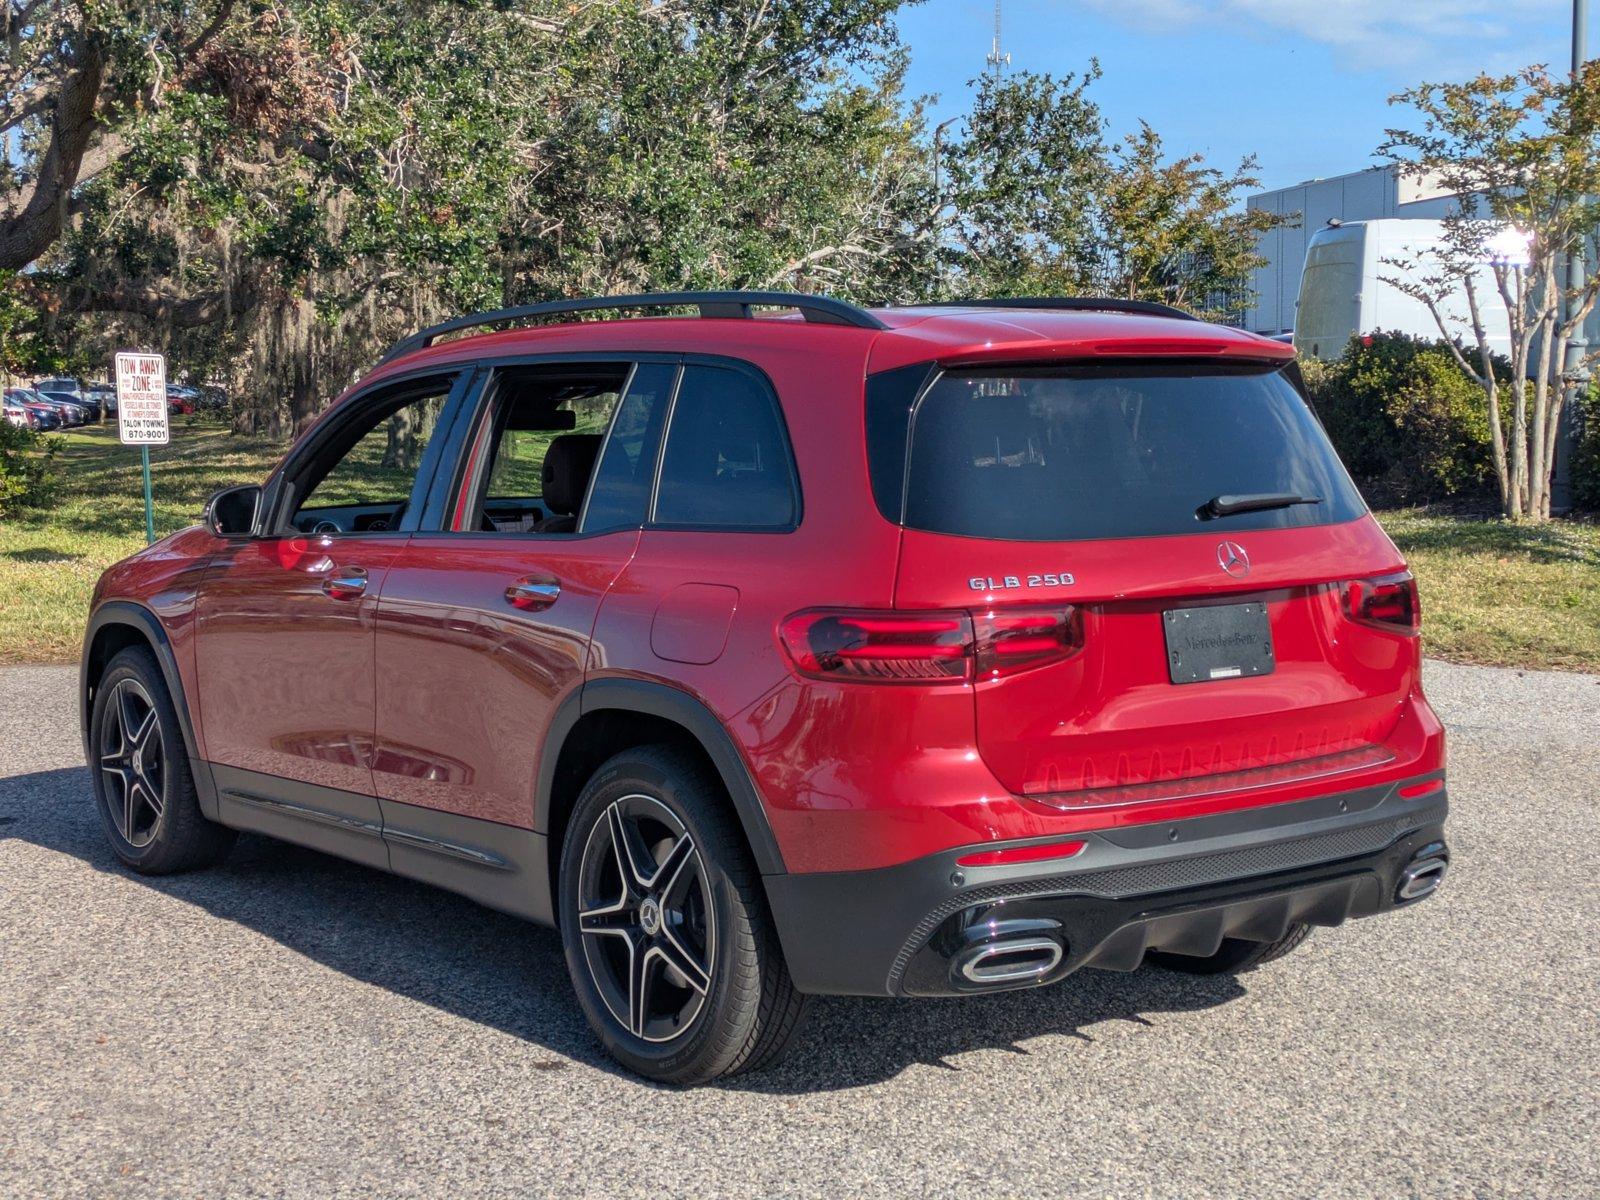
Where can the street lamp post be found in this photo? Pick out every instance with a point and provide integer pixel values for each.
(1578, 345)
(938, 195)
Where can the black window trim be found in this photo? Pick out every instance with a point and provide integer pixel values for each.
(605, 445)
(764, 383)
(448, 474)
(281, 486)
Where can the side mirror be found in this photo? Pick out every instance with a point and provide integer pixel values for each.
(231, 513)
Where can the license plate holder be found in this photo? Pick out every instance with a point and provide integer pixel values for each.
(1212, 642)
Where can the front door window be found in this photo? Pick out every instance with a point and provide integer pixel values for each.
(363, 482)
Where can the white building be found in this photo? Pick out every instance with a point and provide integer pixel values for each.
(1359, 196)
(1375, 194)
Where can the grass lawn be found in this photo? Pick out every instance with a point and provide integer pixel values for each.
(50, 559)
(1502, 594)
(1493, 593)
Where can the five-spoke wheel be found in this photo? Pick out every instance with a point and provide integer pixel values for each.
(132, 762)
(645, 915)
(663, 915)
(142, 777)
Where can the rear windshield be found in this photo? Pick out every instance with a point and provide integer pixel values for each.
(1114, 451)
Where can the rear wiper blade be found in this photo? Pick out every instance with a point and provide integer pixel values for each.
(1226, 506)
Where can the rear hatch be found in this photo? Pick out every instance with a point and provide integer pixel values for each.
(1174, 586)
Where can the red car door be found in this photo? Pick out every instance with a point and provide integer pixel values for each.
(284, 652)
(284, 628)
(482, 634)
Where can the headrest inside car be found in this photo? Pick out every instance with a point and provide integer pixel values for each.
(567, 466)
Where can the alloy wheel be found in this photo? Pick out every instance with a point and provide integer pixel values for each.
(646, 919)
(132, 762)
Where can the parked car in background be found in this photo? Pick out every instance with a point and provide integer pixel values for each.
(60, 385)
(213, 400)
(104, 394)
(89, 409)
(923, 651)
(1349, 287)
(66, 411)
(42, 415)
(16, 414)
(73, 412)
(181, 400)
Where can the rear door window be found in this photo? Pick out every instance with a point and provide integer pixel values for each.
(1114, 451)
(620, 494)
(546, 433)
(727, 463)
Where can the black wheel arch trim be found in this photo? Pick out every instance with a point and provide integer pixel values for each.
(135, 616)
(141, 619)
(678, 706)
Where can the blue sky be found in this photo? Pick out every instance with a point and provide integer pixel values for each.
(1302, 84)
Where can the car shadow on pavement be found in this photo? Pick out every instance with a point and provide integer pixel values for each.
(445, 951)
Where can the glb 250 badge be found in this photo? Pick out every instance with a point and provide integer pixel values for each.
(1002, 583)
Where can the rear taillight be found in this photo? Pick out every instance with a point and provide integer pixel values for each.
(1389, 602)
(1019, 639)
(883, 646)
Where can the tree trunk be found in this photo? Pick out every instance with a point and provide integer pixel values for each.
(401, 445)
(303, 405)
(28, 231)
(1538, 466)
(1558, 398)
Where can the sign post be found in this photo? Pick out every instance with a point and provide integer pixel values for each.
(142, 415)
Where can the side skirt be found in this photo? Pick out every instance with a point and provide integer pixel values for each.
(500, 866)
(326, 819)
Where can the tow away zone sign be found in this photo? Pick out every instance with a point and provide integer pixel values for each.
(141, 399)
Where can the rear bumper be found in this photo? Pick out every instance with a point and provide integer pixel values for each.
(1175, 885)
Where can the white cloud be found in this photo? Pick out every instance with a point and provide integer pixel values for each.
(1414, 38)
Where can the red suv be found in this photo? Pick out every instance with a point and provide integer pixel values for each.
(774, 646)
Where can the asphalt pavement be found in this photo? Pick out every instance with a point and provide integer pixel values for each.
(292, 1025)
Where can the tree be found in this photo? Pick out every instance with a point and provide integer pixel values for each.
(335, 176)
(346, 173)
(74, 71)
(1175, 231)
(1024, 185)
(1522, 152)
(717, 145)
(320, 177)
(1043, 204)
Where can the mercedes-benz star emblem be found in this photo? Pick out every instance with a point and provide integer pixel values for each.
(1232, 559)
(650, 916)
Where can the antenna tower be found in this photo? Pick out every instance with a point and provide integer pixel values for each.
(997, 60)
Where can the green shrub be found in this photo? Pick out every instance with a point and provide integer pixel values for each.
(1586, 459)
(27, 468)
(1409, 423)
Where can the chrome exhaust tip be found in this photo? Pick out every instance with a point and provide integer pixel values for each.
(1421, 879)
(1009, 960)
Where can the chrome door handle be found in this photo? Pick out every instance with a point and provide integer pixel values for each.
(533, 593)
(346, 583)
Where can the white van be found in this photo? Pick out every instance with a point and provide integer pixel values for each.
(1343, 291)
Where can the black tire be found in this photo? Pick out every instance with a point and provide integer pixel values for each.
(711, 918)
(1234, 957)
(143, 785)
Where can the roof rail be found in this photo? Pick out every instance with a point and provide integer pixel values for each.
(1145, 308)
(736, 304)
